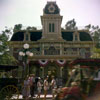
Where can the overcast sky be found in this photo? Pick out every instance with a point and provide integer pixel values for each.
(28, 12)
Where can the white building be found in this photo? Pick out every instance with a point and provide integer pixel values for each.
(52, 47)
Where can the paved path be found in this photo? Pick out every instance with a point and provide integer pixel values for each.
(48, 97)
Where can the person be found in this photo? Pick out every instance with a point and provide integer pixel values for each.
(32, 84)
(4, 75)
(26, 89)
(46, 87)
(53, 86)
(39, 87)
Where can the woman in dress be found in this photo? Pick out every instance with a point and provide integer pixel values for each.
(26, 89)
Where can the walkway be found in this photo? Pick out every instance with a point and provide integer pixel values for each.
(48, 97)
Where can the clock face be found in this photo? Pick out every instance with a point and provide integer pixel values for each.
(51, 8)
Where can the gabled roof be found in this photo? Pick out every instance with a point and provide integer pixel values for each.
(36, 35)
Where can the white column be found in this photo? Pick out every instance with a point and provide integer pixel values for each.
(61, 49)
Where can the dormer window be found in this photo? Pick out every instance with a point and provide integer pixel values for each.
(51, 27)
(26, 36)
(76, 36)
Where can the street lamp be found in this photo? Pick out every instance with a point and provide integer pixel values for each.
(25, 53)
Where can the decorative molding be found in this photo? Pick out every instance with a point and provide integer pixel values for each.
(43, 62)
(61, 62)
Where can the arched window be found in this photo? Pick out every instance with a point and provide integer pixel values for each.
(82, 52)
(27, 36)
(76, 36)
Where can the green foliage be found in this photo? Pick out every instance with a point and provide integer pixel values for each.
(17, 27)
(71, 25)
(5, 56)
(31, 28)
(96, 53)
(3, 41)
(95, 33)
(7, 59)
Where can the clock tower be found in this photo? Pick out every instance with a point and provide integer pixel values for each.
(51, 22)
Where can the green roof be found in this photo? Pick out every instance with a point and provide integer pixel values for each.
(84, 36)
(18, 36)
(36, 35)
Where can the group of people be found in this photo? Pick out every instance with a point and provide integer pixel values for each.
(31, 84)
(28, 86)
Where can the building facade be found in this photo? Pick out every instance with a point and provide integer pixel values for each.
(52, 47)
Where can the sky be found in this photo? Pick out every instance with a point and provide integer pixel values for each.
(28, 12)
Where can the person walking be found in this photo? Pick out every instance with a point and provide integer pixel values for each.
(32, 85)
(26, 89)
(39, 88)
(46, 87)
(53, 86)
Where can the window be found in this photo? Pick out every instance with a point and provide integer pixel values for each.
(76, 38)
(51, 27)
(82, 52)
(26, 37)
(52, 51)
(69, 51)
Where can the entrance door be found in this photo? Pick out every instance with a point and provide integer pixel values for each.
(52, 70)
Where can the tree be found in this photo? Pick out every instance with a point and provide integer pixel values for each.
(71, 25)
(96, 53)
(17, 27)
(8, 32)
(95, 33)
(5, 56)
(31, 28)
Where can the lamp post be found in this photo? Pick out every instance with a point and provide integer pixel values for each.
(25, 53)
